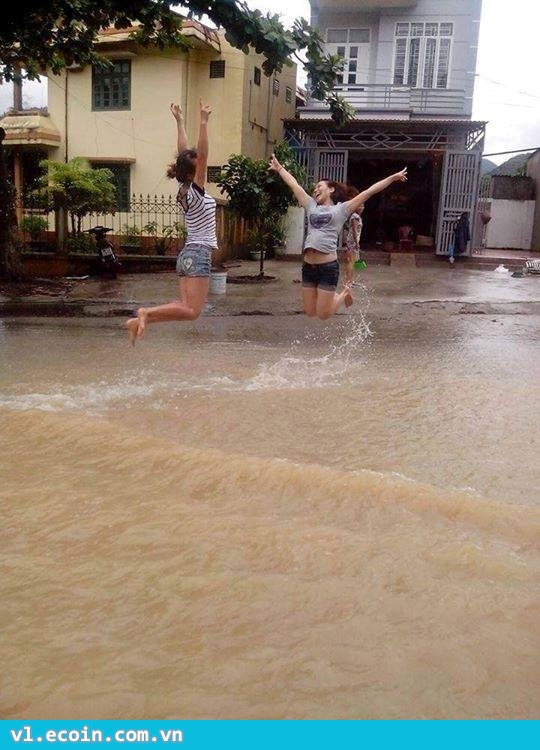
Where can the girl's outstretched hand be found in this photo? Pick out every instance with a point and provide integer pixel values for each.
(176, 111)
(400, 176)
(205, 111)
(274, 165)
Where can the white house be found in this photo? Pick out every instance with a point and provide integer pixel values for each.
(409, 71)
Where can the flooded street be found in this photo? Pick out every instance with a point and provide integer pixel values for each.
(260, 517)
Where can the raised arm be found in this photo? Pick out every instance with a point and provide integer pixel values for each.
(181, 141)
(358, 201)
(202, 144)
(299, 193)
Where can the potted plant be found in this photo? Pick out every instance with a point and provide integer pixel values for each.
(174, 236)
(277, 240)
(130, 239)
(151, 230)
(34, 226)
(260, 197)
(83, 244)
(256, 243)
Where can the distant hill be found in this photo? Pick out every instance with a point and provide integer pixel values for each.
(487, 166)
(512, 167)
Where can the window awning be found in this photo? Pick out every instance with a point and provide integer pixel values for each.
(30, 129)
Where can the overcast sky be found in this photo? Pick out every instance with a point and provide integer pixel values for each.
(507, 90)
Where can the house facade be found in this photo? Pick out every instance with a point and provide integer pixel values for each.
(119, 118)
(408, 72)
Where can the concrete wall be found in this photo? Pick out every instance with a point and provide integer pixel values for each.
(464, 14)
(506, 187)
(511, 224)
(145, 135)
(263, 112)
(533, 171)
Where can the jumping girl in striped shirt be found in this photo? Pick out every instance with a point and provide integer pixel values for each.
(194, 261)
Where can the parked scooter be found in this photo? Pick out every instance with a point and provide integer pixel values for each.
(108, 263)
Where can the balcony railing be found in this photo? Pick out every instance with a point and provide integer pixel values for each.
(390, 98)
(360, 5)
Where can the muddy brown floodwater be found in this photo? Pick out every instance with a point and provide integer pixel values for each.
(256, 518)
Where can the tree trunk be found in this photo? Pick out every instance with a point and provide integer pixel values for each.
(263, 252)
(10, 259)
(60, 227)
(261, 271)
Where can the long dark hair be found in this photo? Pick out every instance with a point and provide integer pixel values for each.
(183, 168)
(340, 191)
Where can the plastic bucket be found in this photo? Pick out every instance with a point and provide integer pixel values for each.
(218, 282)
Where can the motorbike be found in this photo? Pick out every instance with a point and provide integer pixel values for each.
(108, 263)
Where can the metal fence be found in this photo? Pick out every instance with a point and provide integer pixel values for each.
(154, 224)
(148, 215)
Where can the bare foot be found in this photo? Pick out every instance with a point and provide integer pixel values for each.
(132, 326)
(142, 315)
(347, 296)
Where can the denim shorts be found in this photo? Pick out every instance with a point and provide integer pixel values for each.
(194, 260)
(321, 275)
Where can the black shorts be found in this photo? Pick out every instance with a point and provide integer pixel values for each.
(321, 276)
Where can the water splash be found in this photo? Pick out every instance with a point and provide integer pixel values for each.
(346, 347)
(340, 350)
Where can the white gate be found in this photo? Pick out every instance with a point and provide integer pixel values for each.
(332, 165)
(459, 192)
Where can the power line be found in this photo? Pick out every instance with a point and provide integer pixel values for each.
(506, 86)
(516, 151)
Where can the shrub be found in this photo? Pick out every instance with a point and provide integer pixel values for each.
(84, 244)
(77, 188)
(34, 226)
(131, 235)
(260, 196)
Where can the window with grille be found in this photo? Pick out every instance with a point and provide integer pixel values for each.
(399, 62)
(337, 36)
(121, 179)
(429, 62)
(414, 60)
(111, 87)
(360, 36)
(352, 46)
(422, 54)
(217, 69)
(275, 87)
(213, 174)
(288, 94)
(444, 63)
(257, 76)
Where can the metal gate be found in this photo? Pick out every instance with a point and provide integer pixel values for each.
(332, 165)
(459, 192)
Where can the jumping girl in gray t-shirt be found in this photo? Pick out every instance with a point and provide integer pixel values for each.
(327, 211)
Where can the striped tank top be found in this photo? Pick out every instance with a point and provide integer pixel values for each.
(200, 215)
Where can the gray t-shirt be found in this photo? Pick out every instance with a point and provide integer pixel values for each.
(324, 225)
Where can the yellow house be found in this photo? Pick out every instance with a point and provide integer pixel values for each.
(121, 119)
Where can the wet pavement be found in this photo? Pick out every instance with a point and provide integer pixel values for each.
(457, 290)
